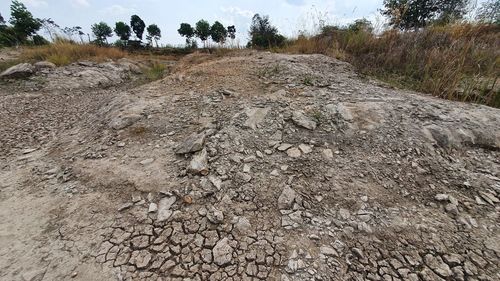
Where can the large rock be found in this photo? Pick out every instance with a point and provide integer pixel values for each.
(300, 119)
(193, 143)
(21, 70)
(222, 252)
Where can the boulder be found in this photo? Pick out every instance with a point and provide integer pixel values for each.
(21, 70)
(44, 64)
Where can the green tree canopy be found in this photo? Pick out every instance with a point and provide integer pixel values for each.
(231, 30)
(123, 31)
(489, 12)
(414, 14)
(263, 34)
(138, 26)
(154, 33)
(361, 25)
(2, 21)
(218, 33)
(186, 30)
(102, 31)
(23, 22)
(202, 30)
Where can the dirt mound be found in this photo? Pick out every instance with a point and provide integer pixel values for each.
(253, 166)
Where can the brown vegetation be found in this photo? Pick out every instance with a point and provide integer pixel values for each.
(64, 53)
(457, 62)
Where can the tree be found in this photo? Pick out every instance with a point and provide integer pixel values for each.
(202, 30)
(186, 30)
(415, 14)
(2, 21)
(73, 31)
(138, 26)
(263, 34)
(361, 25)
(23, 22)
(231, 30)
(123, 31)
(218, 33)
(489, 12)
(102, 31)
(50, 27)
(154, 33)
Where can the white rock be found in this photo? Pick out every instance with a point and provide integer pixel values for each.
(153, 208)
(164, 212)
(300, 119)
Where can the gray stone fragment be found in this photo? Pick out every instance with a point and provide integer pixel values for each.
(199, 163)
(300, 119)
(287, 197)
(222, 252)
(191, 144)
(164, 206)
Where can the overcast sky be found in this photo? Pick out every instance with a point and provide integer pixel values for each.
(289, 16)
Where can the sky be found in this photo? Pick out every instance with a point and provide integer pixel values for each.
(290, 16)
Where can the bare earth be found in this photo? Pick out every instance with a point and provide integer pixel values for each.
(253, 166)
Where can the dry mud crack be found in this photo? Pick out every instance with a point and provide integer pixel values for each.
(254, 166)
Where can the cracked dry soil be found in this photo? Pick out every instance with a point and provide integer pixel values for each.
(253, 166)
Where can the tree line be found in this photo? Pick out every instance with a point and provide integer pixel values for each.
(23, 27)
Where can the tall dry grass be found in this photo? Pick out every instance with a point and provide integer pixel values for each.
(64, 53)
(457, 62)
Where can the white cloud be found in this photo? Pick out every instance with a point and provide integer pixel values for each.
(117, 10)
(80, 3)
(238, 11)
(35, 3)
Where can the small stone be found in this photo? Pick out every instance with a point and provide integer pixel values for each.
(193, 143)
(275, 173)
(199, 163)
(125, 206)
(164, 212)
(147, 161)
(222, 252)
(305, 148)
(215, 216)
(441, 197)
(284, 147)
(293, 152)
(327, 154)
(300, 119)
(153, 208)
(328, 251)
(287, 197)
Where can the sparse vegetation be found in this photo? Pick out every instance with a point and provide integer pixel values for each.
(155, 72)
(458, 62)
(263, 34)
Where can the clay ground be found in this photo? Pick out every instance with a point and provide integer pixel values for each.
(250, 166)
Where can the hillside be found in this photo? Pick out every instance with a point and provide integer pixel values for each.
(250, 166)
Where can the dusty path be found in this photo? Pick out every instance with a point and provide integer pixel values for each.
(251, 166)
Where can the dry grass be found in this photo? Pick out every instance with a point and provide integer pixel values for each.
(64, 53)
(457, 62)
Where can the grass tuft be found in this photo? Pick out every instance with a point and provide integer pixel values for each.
(155, 72)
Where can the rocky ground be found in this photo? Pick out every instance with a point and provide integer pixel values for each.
(252, 166)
